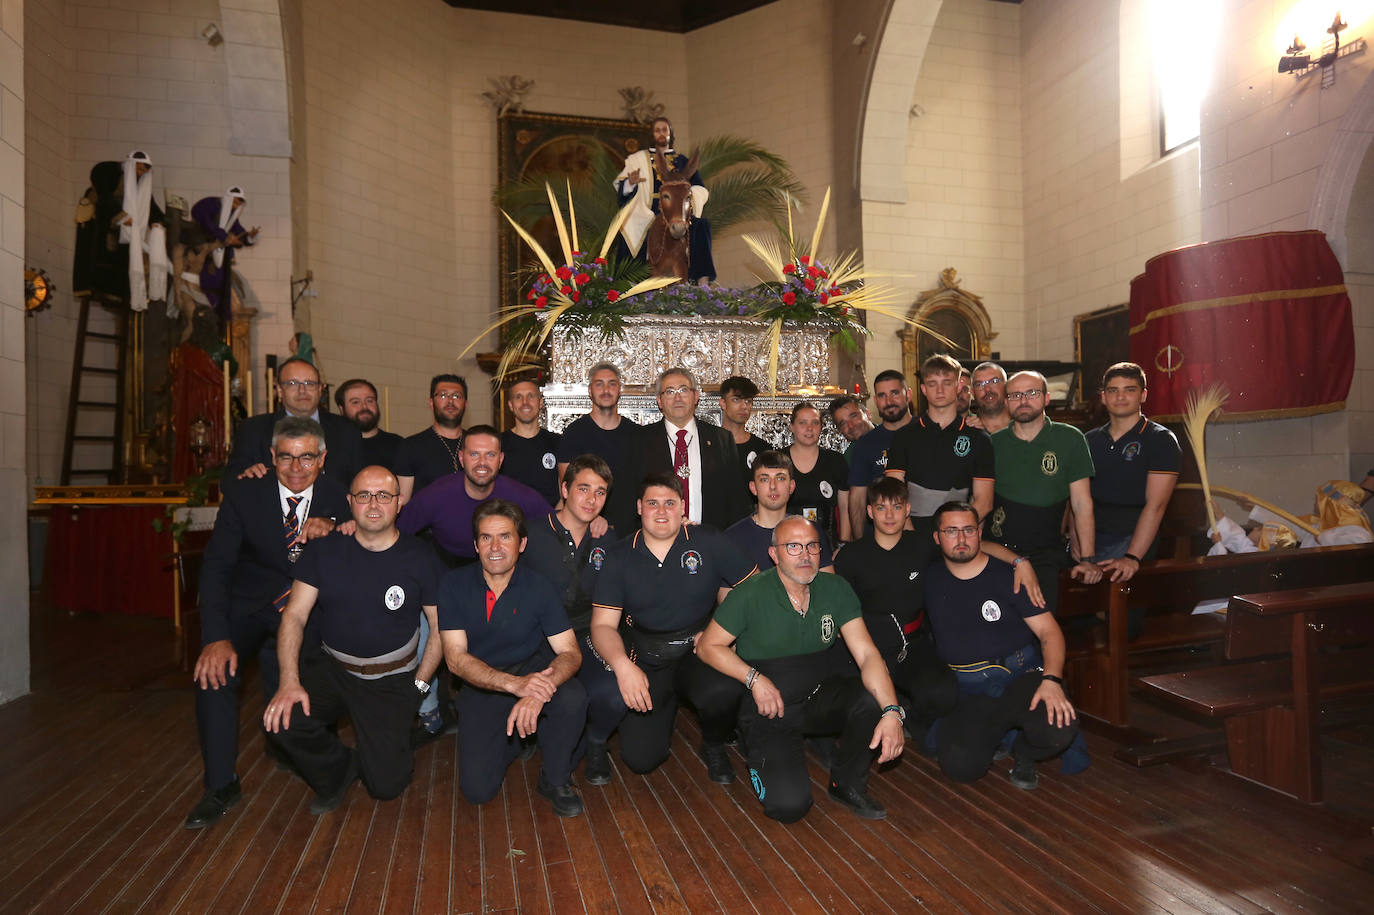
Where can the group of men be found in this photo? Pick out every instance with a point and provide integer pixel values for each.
(586, 585)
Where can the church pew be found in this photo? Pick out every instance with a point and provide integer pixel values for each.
(1293, 652)
(1100, 656)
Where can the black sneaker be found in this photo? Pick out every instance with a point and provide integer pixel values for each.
(322, 804)
(859, 802)
(718, 766)
(566, 803)
(213, 805)
(1023, 775)
(598, 771)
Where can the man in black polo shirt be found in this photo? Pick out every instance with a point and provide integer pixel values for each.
(435, 452)
(1136, 467)
(562, 546)
(783, 624)
(653, 598)
(1007, 654)
(506, 634)
(868, 456)
(737, 395)
(357, 400)
(531, 452)
(615, 438)
(939, 455)
(849, 416)
(772, 485)
(366, 593)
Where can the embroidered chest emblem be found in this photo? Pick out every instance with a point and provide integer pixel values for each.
(826, 489)
(1049, 463)
(827, 629)
(597, 558)
(1131, 451)
(395, 597)
(991, 612)
(549, 461)
(691, 561)
(962, 445)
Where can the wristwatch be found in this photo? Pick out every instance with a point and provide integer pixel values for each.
(422, 686)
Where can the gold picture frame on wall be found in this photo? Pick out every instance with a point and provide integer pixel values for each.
(952, 312)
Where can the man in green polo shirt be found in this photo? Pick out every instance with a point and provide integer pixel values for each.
(787, 625)
(1040, 466)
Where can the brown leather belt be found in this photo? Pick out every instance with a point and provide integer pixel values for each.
(386, 667)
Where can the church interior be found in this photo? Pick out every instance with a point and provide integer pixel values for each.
(1022, 159)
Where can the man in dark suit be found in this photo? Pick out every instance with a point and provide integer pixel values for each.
(245, 580)
(298, 391)
(701, 454)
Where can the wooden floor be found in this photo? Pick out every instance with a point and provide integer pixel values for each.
(95, 778)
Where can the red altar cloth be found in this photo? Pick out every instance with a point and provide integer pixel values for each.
(108, 559)
(1266, 315)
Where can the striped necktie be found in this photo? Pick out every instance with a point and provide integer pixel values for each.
(683, 471)
(291, 527)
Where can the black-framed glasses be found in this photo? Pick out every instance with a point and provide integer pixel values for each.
(294, 385)
(1017, 396)
(967, 531)
(364, 497)
(305, 460)
(795, 549)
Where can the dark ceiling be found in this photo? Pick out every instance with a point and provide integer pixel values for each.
(659, 15)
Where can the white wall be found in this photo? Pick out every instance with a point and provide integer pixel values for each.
(14, 566)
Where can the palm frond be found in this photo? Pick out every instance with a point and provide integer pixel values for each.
(747, 194)
(1197, 410)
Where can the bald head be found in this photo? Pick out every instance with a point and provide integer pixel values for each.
(375, 500)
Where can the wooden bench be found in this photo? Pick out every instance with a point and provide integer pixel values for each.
(1099, 654)
(1294, 652)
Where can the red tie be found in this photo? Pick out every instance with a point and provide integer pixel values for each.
(683, 472)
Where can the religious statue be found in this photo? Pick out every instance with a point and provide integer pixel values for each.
(218, 219)
(121, 240)
(642, 180)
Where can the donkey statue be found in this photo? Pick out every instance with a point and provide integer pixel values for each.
(668, 240)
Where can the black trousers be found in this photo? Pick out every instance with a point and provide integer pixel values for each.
(217, 710)
(924, 684)
(485, 751)
(646, 737)
(840, 706)
(381, 710)
(970, 735)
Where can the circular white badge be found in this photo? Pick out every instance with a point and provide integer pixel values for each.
(826, 489)
(549, 461)
(991, 612)
(749, 461)
(395, 597)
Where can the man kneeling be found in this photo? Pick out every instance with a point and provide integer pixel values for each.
(506, 634)
(368, 591)
(1006, 653)
(801, 681)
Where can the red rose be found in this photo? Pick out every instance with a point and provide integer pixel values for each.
(612, 295)
(577, 254)
(789, 298)
(600, 260)
(825, 299)
(576, 296)
(564, 273)
(788, 268)
(810, 284)
(531, 295)
(806, 259)
(565, 290)
(835, 290)
(583, 279)
(541, 302)
(813, 270)
(825, 274)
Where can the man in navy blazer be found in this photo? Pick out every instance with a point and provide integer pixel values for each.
(702, 454)
(298, 392)
(245, 578)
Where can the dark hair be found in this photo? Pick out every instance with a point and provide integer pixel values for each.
(739, 385)
(844, 400)
(501, 508)
(950, 508)
(940, 364)
(448, 379)
(772, 460)
(803, 405)
(888, 489)
(342, 389)
(482, 429)
(1125, 370)
(672, 134)
(666, 480)
(888, 375)
(593, 462)
(296, 360)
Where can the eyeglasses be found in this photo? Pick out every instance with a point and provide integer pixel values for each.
(979, 385)
(306, 460)
(682, 389)
(1017, 396)
(449, 395)
(958, 531)
(294, 385)
(364, 497)
(795, 549)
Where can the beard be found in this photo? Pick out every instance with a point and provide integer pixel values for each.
(366, 420)
(893, 412)
(449, 422)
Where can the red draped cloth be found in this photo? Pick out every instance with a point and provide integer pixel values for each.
(108, 559)
(197, 390)
(1266, 315)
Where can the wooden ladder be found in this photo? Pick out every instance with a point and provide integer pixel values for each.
(79, 405)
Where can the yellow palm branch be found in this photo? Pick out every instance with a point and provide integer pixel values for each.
(558, 222)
